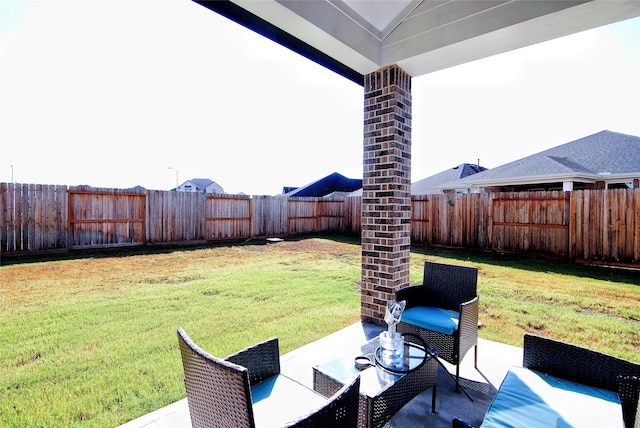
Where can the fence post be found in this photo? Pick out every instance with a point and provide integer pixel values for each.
(68, 218)
(572, 225)
(146, 216)
(636, 221)
(490, 221)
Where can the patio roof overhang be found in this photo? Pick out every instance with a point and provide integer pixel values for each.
(357, 37)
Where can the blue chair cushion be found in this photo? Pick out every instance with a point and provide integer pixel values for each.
(435, 319)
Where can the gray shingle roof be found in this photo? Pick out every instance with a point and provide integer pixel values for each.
(201, 183)
(431, 185)
(603, 153)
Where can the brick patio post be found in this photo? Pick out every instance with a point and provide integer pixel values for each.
(386, 189)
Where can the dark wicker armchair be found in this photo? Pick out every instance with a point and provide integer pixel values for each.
(448, 294)
(246, 389)
(587, 367)
(570, 363)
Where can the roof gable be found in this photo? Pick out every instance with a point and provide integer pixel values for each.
(204, 185)
(431, 185)
(201, 183)
(331, 183)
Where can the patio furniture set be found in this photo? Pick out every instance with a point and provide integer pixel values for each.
(440, 321)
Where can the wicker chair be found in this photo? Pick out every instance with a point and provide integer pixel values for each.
(450, 291)
(587, 367)
(247, 388)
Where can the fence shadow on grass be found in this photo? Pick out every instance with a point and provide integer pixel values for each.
(534, 264)
(526, 262)
(152, 248)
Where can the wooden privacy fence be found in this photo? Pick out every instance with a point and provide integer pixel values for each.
(97, 219)
(588, 225)
(538, 223)
(34, 217)
(593, 225)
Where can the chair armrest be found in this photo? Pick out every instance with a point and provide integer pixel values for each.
(468, 306)
(261, 360)
(468, 325)
(469, 316)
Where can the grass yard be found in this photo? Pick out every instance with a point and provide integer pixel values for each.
(91, 340)
(592, 306)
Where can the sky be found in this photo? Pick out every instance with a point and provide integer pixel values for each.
(152, 92)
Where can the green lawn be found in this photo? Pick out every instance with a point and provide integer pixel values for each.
(592, 306)
(91, 340)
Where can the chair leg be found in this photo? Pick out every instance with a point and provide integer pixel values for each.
(475, 357)
(457, 378)
(457, 423)
(433, 398)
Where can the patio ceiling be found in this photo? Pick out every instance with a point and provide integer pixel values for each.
(357, 37)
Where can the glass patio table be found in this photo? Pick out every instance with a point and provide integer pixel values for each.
(382, 392)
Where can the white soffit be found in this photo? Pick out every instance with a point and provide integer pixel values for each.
(366, 57)
(383, 15)
(557, 24)
(423, 36)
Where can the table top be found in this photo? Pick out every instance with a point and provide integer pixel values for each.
(373, 380)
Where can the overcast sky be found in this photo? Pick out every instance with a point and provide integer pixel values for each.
(114, 93)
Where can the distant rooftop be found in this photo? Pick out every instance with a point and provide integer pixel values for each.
(605, 154)
(330, 184)
(431, 185)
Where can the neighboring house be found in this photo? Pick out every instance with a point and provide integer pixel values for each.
(200, 185)
(431, 185)
(331, 185)
(604, 160)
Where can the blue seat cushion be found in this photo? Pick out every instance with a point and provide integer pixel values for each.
(435, 319)
(533, 399)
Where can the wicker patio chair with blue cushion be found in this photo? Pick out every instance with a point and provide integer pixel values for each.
(246, 389)
(588, 367)
(443, 311)
(561, 384)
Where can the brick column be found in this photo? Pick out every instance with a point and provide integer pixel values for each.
(386, 189)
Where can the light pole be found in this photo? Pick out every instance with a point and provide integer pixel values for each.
(176, 170)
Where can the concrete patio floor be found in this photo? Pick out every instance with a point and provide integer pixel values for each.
(494, 360)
